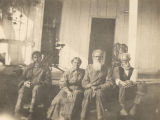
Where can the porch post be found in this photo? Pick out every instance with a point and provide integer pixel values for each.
(132, 37)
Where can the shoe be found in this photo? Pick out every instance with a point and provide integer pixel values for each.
(30, 117)
(17, 115)
(24, 118)
(132, 112)
(123, 112)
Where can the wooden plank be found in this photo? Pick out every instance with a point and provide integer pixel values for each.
(65, 22)
(11, 41)
(126, 20)
(158, 35)
(73, 31)
(132, 30)
(77, 17)
(112, 8)
(74, 26)
(149, 81)
(144, 49)
(94, 9)
(102, 8)
(139, 34)
(65, 33)
(126, 13)
(155, 35)
(84, 34)
(119, 32)
(139, 31)
(146, 36)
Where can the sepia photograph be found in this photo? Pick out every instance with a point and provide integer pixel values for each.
(79, 59)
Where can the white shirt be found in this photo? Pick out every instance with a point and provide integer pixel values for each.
(133, 76)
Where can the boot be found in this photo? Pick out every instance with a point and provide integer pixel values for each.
(30, 116)
(132, 111)
(123, 112)
(18, 115)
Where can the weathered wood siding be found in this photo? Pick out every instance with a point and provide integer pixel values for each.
(76, 25)
(148, 36)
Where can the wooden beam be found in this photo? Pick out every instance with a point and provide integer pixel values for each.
(149, 81)
(132, 33)
(11, 41)
(132, 37)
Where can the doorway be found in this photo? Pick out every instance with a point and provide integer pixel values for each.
(102, 37)
(50, 32)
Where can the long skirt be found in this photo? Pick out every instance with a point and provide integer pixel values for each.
(64, 108)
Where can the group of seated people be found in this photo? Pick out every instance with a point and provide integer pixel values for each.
(79, 87)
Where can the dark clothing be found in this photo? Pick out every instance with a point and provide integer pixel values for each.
(63, 107)
(122, 74)
(100, 79)
(119, 73)
(126, 93)
(40, 79)
(37, 76)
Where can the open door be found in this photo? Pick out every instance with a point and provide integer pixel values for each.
(102, 37)
(50, 32)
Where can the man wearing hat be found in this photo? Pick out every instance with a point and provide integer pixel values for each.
(126, 81)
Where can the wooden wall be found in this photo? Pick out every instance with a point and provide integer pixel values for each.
(76, 25)
(148, 36)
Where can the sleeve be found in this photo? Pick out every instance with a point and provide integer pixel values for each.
(86, 79)
(134, 76)
(47, 77)
(109, 81)
(64, 82)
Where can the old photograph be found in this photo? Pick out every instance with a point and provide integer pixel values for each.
(79, 59)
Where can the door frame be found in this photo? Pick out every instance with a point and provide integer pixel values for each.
(90, 26)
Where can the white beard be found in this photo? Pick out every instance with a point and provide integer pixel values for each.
(97, 66)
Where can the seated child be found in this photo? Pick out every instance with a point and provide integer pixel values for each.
(35, 80)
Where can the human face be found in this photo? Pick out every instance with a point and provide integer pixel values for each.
(97, 57)
(36, 58)
(76, 64)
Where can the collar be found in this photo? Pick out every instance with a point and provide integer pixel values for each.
(128, 68)
(38, 66)
(73, 70)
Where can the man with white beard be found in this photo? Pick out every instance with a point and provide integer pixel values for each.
(96, 82)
